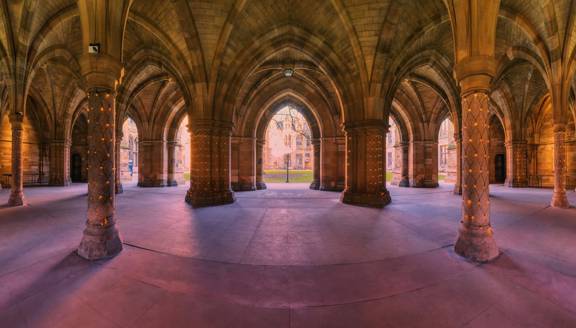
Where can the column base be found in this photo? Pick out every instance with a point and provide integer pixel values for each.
(261, 186)
(119, 188)
(477, 244)
(66, 183)
(151, 184)
(457, 189)
(99, 243)
(332, 186)
(379, 199)
(172, 183)
(16, 199)
(239, 186)
(405, 182)
(315, 185)
(560, 200)
(198, 198)
(516, 184)
(426, 184)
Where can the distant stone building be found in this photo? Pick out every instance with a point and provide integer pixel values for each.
(288, 137)
(447, 156)
(129, 152)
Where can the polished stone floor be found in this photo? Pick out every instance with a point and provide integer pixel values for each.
(287, 258)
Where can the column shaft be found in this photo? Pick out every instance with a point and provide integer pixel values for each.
(560, 199)
(210, 172)
(118, 157)
(365, 165)
(152, 167)
(516, 164)
(171, 179)
(101, 238)
(59, 163)
(458, 183)
(315, 185)
(475, 240)
(260, 184)
(17, 185)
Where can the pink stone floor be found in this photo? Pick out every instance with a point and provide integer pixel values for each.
(287, 258)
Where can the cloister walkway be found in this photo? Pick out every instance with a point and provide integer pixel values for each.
(287, 258)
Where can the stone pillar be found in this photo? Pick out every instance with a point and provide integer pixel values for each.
(260, 185)
(516, 164)
(243, 163)
(396, 165)
(560, 199)
(332, 173)
(210, 172)
(101, 238)
(118, 156)
(315, 185)
(151, 166)
(366, 164)
(475, 240)
(424, 164)
(17, 185)
(458, 183)
(171, 180)
(405, 182)
(59, 163)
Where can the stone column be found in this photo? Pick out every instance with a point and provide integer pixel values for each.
(210, 172)
(260, 185)
(365, 164)
(475, 240)
(246, 164)
(101, 238)
(559, 199)
(516, 164)
(151, 167)
(405, 181)
(333, 150)
(315, 185)
(17, 185)
(424, 164)
(458, 183)
(118, 156)
(396, 164)
(171, 180)
(59, 162)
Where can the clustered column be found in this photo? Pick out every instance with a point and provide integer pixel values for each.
(315, 185)
(405, 175)
(210, 174)
(475, 240)
(171, 180)
(17, 185)
(365, 164)
(151, 171)
(246, 172)
(118, 156)
(59, 162)
(517, 163)
(458, 183)
(101, 238)
(260, 184)
(560, 199)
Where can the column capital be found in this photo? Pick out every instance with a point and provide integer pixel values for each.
(16, 120)
(559, 127)
(211, 127)
(101, 73)
(356, 126)
(475, 73)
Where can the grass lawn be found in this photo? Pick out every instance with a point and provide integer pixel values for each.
(296, 176)
(388, 176)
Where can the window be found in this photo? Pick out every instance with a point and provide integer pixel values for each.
(299, 141)
(443, 155)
